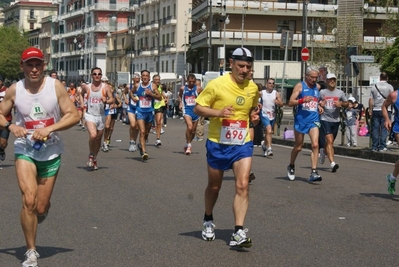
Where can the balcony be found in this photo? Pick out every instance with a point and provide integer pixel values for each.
(154, 25)
(170, 20)
(31, 18)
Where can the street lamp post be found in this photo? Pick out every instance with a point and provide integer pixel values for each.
(226, 22)
(319, 30)
(245, 7)
(210, 37)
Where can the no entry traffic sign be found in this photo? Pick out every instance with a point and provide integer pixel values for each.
(305, 54)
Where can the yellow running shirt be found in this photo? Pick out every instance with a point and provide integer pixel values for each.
(223, 92)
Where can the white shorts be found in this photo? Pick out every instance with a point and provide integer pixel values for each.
(98, 120)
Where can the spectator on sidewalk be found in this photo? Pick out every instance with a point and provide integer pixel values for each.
(350, 122)
(379, 92)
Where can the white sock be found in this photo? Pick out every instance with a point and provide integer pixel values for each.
(332, 164)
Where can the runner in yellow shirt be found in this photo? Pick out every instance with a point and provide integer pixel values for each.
(230, 102)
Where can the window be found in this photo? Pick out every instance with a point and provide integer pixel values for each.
(123, 42)
(173, 66)
(286, 25)
(277, 54)
(32, 14)
(168, 11)
(31, 26)
(167, 66)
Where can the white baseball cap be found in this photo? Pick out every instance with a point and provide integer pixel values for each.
(331, 76)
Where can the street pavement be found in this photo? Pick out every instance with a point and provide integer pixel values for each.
(130, 213)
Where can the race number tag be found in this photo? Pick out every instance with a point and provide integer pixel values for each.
(111, 111)
(330, 102)
(233, 132)
(145, 102)
(270, 115)
(190, 100)
(38, 124)
(310, 106)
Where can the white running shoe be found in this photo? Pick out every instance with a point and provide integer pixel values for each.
(158, 143)
(240, 239)
(208, 231)
(105, 147)
(322, 156)
(132, 146)
(269, 152)
(291, 172)
(162, 131)
(31, 258)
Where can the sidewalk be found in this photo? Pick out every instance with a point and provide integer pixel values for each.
(361, 151)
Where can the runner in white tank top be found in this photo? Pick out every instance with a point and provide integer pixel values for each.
(269, 99)
(39, 101)
(98, 95)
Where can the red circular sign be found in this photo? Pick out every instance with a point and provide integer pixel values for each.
(305, 54)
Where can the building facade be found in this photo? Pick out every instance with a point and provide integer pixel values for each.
(262, 26)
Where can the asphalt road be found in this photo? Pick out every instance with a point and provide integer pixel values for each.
(130, 213)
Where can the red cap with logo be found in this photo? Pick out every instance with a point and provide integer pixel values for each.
(31, 53)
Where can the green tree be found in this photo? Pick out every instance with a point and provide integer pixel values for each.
(390, 60)
(13, 42)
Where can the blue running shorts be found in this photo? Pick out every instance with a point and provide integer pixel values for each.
(304, 128)
(266, 121)
(222, 157)
(145, 116)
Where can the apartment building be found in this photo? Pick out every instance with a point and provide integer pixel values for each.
(27, 15)
(262, 25)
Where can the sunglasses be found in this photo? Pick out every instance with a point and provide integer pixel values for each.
(270, 83)
(96, 74)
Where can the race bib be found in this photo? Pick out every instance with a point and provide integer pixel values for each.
(31, 126)
(233, 132)
(268, 114)
(190, 100)
(310, 106)
(330, 102)
(145, 102)
(111, 111)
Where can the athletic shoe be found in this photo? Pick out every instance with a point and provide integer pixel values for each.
(164, 125)
(200, 139)
(90, 161)
(105, 147)
(208, 231)
(263, 147)
(291, 172)
(314, 177)
(252, 177)
(2, 155)
(158, 143)
(144, 157)
(162, 131)
(132, 146)
(83, 128)
(322, 156)
(391, 185)
(240, 239)
(384, 149)
(269, 152)
(140, 149)
(41, 217)
(30, 258)
(188, 150)
(95, 167)
(334, 167)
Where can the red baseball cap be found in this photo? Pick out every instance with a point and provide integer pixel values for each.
(30, 53)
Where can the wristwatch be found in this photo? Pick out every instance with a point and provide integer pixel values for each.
(7, 125)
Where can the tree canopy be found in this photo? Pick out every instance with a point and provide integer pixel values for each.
(13, 42)
(390, 61)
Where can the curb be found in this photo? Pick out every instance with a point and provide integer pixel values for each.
(358, 152)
